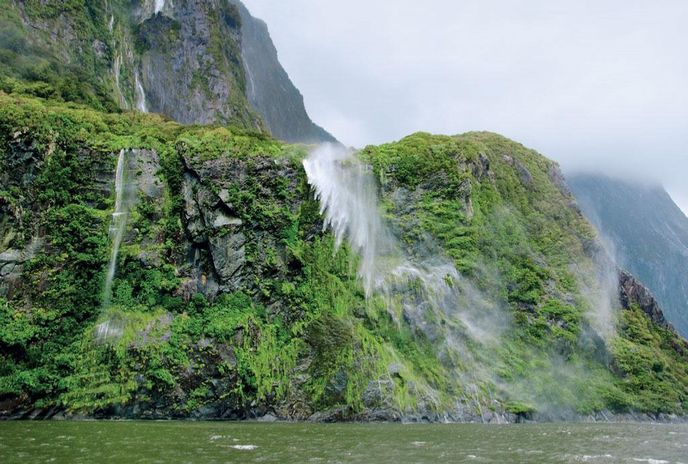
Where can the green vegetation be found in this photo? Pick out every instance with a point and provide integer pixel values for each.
(295, 334)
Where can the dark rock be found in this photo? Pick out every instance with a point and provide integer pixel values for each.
(481, 167)
(633, 292)
(229, 256)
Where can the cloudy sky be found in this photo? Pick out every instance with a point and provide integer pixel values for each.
(593, 84)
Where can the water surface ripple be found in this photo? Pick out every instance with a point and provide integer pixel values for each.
(223, 442)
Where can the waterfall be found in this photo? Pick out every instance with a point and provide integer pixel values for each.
(427, 288)
(348, 200)
(141, 104)
(117, 69)
(125, 195)
(159, 5)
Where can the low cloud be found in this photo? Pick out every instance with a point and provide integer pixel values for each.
(596, 85)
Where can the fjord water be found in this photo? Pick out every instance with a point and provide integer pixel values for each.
(222, 442)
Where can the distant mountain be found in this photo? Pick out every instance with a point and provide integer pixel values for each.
(269, 89)
(195, 62)
(649, 233)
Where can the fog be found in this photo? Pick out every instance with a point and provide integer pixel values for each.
(595, 85)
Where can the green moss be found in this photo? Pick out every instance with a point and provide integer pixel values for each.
(299, 328)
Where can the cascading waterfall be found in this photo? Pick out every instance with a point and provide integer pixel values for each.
(117, 69)
(348, 199)
(124, 199)
(141, 104)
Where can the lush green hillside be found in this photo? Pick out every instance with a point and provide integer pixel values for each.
(230, 300)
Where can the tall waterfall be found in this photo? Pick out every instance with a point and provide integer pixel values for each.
(427, 288)
(125, 195)
(141, 103)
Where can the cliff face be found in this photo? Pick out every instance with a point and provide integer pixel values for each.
(188, 60)
(649, 234)
(269, 89)
(231, 300)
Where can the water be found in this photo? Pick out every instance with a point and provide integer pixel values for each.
(426, 287)
(223, 442)
(125, 196)
(141, 103)
(348, 199)
(159, 5)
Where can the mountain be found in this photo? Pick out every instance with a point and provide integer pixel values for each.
(194, 62)
(154, 270)
(649, 235)
(269, 89)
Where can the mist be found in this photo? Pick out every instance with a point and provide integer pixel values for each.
(595, 85)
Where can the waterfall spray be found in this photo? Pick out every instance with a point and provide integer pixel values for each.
(348, 200)
(424, 288)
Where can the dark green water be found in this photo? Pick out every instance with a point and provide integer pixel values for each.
(221, 442)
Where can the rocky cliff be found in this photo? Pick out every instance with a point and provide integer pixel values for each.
(231, 300)
(648, 233)
(197, 62)
(269, 89)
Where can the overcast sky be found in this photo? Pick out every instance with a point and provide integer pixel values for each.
(595, 85)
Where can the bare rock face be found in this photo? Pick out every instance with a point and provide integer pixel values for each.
(191, 64)
(229, 256)
(269, 89)
(222, 199)
(12, 264)
(632, 292)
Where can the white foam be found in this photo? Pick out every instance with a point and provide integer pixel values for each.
(244, 447)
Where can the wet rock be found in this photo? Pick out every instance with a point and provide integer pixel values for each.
(229, 256)
(378, 393)
(12, 263)
(145, 165)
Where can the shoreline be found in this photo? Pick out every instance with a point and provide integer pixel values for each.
(367, 417)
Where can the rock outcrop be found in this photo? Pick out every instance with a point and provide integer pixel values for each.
(632, 292)
(646, 231)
